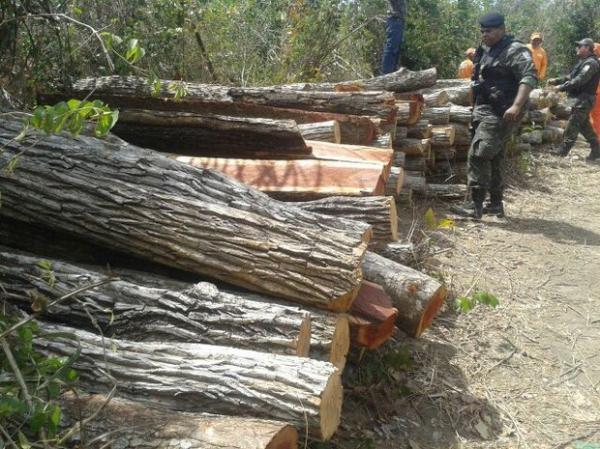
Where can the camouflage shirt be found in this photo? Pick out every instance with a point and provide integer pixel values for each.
(397, 8)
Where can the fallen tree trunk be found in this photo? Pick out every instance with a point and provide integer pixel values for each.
(197, 378)
(373, 318)
(417, 297)
(328, 131)
(402, 80)
(149, 310)
(302, 179)
(211, 135)
(378, 211)
(143, 427)
(140, 202)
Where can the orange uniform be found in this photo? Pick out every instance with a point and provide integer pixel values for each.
(540, 60)
(465, 69)
(595, 112)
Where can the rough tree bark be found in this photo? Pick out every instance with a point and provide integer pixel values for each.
(417, 297)
(442, 136)
(196, 220)
(205, 378)
(393, 186)
(149, 310)
(328, 131)
(420, 130)
(144, 427)
(460, 114)
(437, 116)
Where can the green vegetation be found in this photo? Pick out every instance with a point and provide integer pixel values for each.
(467, 303)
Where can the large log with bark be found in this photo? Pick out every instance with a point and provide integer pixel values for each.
(393, 186)
(460, 114)
(417, 297)
(145, 427)
(378, 211)
(410, 147)
(402, 253)
(205, 378)
(137, 201)
(149, 310)
(442, 136)
(330, 338)
(437, 116)
(458, 90)
(420, 130)
(328, 131)
(462, 134)
(402, 80)
(302, 179)
(211, 135)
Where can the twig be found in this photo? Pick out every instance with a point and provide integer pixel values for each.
(13, 364)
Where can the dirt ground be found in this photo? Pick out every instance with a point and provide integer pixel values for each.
(523, 375)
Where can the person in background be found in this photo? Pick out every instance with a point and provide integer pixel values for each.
(581, 85)
(394, 34)
(595, 112)
(465, 69)
(503, 78)
(540, 59)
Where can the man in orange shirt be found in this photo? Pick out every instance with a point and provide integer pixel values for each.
(595, 112)
(465, 69)
(540, 59)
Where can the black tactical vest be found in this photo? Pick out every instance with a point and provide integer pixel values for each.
(498, 86)
(590, 87)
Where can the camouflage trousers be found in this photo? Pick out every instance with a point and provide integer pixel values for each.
(487, 152)
(579, 122)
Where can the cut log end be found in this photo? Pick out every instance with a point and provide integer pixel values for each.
(303, 340)
(344, 302)
(434, 305)
(341, 343)
(286, 438)
(331, 406)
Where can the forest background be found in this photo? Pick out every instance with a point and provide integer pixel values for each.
(45, 43)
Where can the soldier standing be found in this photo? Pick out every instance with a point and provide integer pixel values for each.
(503, 77)
(581, 87)
(394, 34)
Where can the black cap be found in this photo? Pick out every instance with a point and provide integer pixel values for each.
(587, 42)
(491, 20)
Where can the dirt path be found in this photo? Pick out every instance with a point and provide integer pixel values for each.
(523, 375)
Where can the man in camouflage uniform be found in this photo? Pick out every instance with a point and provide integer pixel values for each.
(581, 87)
(503, 78)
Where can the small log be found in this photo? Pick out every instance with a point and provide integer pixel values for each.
(399, 159)
(330, 338)
(436, 98)
(410, 147)
(146, 427)
(415, 163)
(458, 90)
(378, 211)
(393, 186)
(373, 317)
(352, 153)
(302, 179)
(417, 297)
(402, 253)
(383, 141)
(461, 114)
(538, 117)
(561, 110)
(328, 131)
(402, 80)
(552, 134)
(442, 136)
(534, 137)
(437, 116)
(405, 197)
(211, 135)
(414, 182)
(420, 130)
(133, 200)
(149, 310)
(445, 191)
(540, 99)
(194, 377)
(444, 153)
(557, 124)
(409, 112)
(462, 134)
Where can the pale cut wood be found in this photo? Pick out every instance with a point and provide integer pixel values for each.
(302, 179)
(420, 130)
(437, 116)
(373, 318)
(328, 131)
(402, 80)
(540, 98)
(417, 297)
(393, 186)
(383, 141)
(146, 427)
(211, 135)
(378, 211)
(442, 136)
(461, 114)
(352, 153)
(205, 378)
(408, 112)
(436, 98)
(139, 202)
(330, 338)
(149, 310)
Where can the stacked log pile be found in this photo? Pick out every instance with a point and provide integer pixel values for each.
(256, 301)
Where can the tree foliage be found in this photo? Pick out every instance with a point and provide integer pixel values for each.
(255, 42)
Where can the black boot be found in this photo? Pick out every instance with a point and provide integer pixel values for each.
(473, 208)
(562, 151)
(495, 206)
(595, 153)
